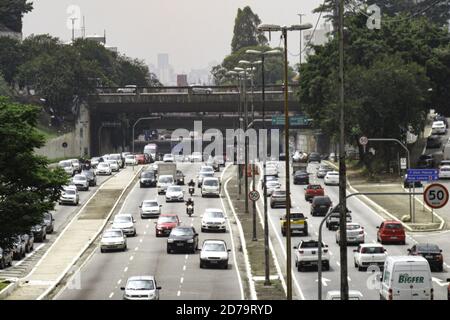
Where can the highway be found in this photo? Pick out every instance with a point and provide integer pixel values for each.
(179, 275)
(363, 281)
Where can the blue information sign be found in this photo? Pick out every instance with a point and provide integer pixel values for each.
(422, 175)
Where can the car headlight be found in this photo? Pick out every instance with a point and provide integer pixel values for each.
(190, 241)
(169, 240)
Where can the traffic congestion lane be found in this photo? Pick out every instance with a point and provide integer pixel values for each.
(362, 281)
(147, 254)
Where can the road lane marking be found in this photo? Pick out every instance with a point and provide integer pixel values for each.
(337, 262)
(331, 253)
(118, 282)
(140, 241)
(147, 226)
(349, 279)
(126, 269)
(178, 293)
(316, 233)
(136, 249)
(111, 295)
(145, 232)
(181, 280)
(131, 258)
(184, 268)
(186, 257)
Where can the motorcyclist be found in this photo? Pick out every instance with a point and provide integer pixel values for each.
(191, 183)
(189, 202)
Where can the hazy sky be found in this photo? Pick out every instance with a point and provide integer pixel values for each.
(192, 32)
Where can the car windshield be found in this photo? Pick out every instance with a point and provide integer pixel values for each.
(174, 189)
(272, 184)
(310, 244)
(214, 247)
(207, 174)
(71, 192)
(112, 234)
(130, 157)
(147, 175)
(214, 214)
(182, 232)
(315, 187)
(65, 164)
(279, 193)
(372, 250)
(103, 165)
(47, 216)
(150, 204)
(122, 219)
(115, 157)
(140, 285)
(166, 179)
(211, 183)
(333, 173)
(82, 178)
(206, 169)
(165, 219)
(322, 200)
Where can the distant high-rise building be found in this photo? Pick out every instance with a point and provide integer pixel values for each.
(317, 38)
(182, 80)
(165, 72)
(163, 60)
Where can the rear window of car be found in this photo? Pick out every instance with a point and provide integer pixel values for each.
(311, 244)
(372, 250)
(428, 248)
(315, 187)
(393, 226)
(321, 200)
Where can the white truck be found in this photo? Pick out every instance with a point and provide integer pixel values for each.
(165, 169)
(406, 278)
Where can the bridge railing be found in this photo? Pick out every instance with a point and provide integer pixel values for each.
(188, 89)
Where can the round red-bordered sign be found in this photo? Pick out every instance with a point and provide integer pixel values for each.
(436, 195)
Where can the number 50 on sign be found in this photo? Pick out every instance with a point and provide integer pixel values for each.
(436, 196)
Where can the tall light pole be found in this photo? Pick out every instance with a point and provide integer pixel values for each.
(300, 15)
(263, 54)
(73, 28)
(284, 30)
(342, 166)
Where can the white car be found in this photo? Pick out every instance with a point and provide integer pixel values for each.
(275, 164)
(95, 161)
(130, 160)
(438, 127)
(81, 182)
(271, 186)
(444, 172)
(124, 222)
(203, 175)
(355, 233)
(114, 165)
(271, 170)
(306, 255)
(141, 288)
(214, 253)
(118, 158)
(76, 165)
(214, 219)
(211, 187)
(369, 254)
(113, 239)
(196, 157)
(69, 195)
(168, 158)
(131, 88)
(174, 194)
(67, 166)
(103, 168)
(331, 178)
(150, 208)
(164, 181)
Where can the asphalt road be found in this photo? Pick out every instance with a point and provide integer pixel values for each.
(62, 215)
(363, 281)
(179, 275)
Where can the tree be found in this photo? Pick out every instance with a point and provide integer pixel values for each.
(246, 32)
(10, 58)
(4, 88)
(28, 188)
(12, 11)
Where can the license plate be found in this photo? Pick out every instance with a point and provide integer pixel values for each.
(314, 262)
(213, 261)
(428, 257)
(180, 244)
(351, 239)
(313, 252)
(393, 237)
(323, 206)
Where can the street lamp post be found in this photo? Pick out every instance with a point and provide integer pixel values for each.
(284, 30)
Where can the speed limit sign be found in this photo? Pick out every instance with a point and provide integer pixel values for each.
(436, 195)
(253, 195)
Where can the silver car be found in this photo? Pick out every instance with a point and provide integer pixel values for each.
(150, 208)
(141, 288)
(81, 182)
(69, 196)
(125, 222)
(113, 239)
(174, 194)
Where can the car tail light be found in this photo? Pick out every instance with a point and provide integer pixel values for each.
(439, 257)
(325, 250)
(390, 294)
(301, 251)
(361, 232)
(432, 294)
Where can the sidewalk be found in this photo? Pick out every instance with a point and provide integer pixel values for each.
(74, 239)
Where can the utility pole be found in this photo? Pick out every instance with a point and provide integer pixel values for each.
(73, 28)
(342, 166)
(300, 50)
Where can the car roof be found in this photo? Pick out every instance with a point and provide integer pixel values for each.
(149, 200)
(214, 240)
(392, 222)
(123, 215)
(367, 245)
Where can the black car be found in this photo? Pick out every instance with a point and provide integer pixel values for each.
(425, 161)
(333, 219)
(320, 205)
(301, 177)
(182, 239)
(314, 157)
(431, 252)
(90, 175)
(434, 142)
(411, 184)
(147, 179)
(49, 222)
(39, 232)
(179, 178)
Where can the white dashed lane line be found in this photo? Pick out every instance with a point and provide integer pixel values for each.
(181, 280)
(126, 269)
(118, 282)
(131, 258)
(178, 293)
(111, 295)
(140, 241)
(337, 262)
(136, 249)
(184, 268)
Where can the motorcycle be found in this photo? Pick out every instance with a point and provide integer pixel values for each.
(191, 190)
(190, 210)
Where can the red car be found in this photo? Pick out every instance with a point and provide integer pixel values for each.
(165, 224)
(140, 159)
(391, 231)
(313, 190)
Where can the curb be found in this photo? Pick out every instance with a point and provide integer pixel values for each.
(6, 292)
(78, 256)
(379, 207)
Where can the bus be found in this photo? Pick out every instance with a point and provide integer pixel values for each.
(151, 149)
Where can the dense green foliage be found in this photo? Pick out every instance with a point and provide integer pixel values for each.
(246, 32)
(28, 188)
(12, 11)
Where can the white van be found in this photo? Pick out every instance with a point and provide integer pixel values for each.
(164, 181)
(211, 187)
(406, 278)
